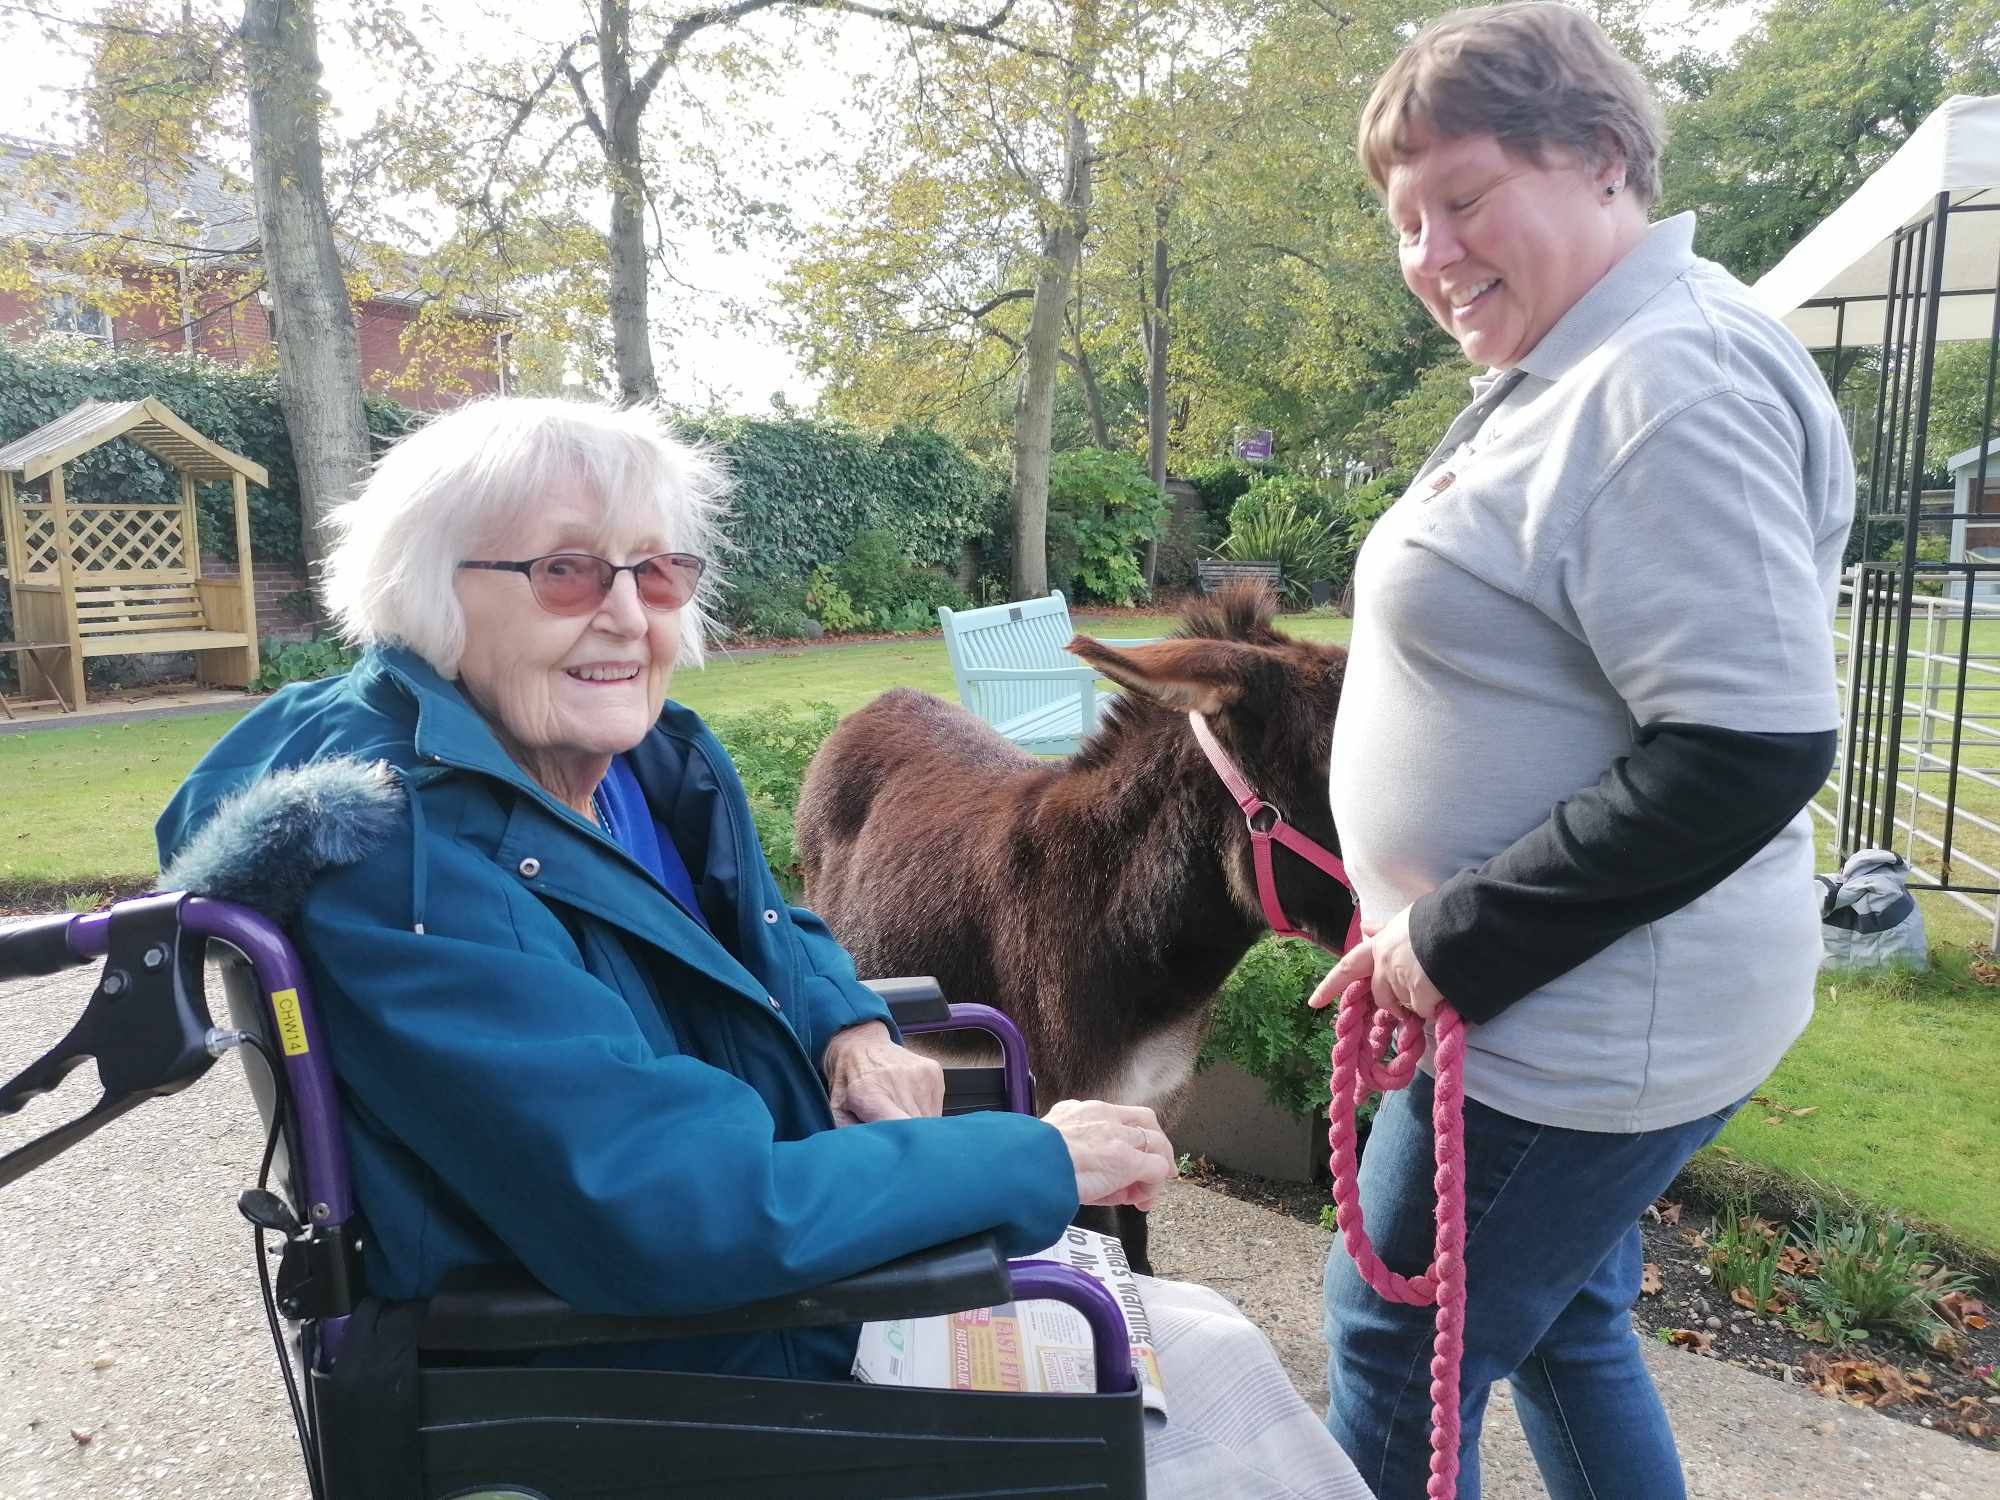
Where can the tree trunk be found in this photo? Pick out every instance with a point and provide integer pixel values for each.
(319, 365)
(631, 322)
(1156, 375)
(1034, 407)
(1093, 397)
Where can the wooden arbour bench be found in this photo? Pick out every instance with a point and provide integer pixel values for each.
(1012, 671)
(1212, 573)
(122, 578)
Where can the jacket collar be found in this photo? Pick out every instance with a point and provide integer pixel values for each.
(1661, 258)
(451, 732)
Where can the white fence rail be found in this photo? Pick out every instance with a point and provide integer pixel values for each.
(1923, 768)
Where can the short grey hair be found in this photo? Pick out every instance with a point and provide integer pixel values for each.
(1534, 76)
(480, 471)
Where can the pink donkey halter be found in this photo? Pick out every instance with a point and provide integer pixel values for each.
(1357, 1071)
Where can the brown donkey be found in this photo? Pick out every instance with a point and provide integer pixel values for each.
(1099, 901)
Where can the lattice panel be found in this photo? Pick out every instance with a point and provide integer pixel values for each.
(38, 540)
(106, 538)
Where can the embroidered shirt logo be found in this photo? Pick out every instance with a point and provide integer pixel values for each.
(1439, 484)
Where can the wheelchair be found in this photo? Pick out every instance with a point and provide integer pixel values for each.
(481, 1390)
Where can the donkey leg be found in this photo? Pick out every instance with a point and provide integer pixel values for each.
(1125, 1224)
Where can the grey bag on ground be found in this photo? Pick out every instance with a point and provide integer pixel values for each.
(1868, 918)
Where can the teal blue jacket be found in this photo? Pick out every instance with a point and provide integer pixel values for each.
(543, 1059)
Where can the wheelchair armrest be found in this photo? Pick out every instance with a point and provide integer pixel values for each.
(498, 1308)
(912, 1000)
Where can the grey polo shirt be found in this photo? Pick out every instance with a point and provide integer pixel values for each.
(1642, 522)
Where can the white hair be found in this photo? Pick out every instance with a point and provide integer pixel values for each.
(481, 471)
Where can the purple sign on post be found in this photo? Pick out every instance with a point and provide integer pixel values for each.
(1256, 446)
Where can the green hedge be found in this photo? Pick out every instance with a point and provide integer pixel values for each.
(805, 490)
(228, 404)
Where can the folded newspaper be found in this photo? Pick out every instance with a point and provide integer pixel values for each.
(1018, 1346)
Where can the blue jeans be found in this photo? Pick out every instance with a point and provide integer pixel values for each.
(1553, 1256)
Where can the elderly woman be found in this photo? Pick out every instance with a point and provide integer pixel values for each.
(575, 1023)
(1589, 693)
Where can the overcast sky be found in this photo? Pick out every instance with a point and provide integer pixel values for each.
(739, 368)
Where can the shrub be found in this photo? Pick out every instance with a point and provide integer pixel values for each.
(284, 662)
(771, 749)
(1221, 480)
(830, 604)
(1102, 506)
(887, 591)
(1260, 1022)
(872, 571)
(1307, 496)
(1308, 549)
(777, 612)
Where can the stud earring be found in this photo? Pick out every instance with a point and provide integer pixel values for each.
(1611, 191)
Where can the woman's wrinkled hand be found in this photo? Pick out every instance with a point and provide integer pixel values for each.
(870, 1077)
(1119, 1152)
(1387, 960)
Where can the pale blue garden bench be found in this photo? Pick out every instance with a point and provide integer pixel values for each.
(1012, 671)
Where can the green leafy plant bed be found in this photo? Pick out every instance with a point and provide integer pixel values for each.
(1704, 1292)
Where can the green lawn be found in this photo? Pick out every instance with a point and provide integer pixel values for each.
(77, 805)
(1900, 1073)
(849, 676)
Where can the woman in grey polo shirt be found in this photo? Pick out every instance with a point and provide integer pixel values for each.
(1589, 693)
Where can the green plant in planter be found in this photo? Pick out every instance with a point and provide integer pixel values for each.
(1260, 1022)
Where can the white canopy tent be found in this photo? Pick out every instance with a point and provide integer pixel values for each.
(1832, 289)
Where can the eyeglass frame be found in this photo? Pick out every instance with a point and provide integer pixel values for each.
(526, 569)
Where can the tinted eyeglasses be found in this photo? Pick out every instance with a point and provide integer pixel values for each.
(575, 583)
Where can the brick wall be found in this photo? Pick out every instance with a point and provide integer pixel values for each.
(278, 586)
(236, 329)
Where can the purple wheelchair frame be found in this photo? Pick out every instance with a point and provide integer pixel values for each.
(320, 1173)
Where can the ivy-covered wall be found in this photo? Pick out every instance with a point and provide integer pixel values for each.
(806, 489)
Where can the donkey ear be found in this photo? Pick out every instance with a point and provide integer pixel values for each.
(1205, 676)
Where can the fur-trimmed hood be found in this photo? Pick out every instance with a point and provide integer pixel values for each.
(266, 844)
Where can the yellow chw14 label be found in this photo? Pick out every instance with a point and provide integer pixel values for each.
(291, 1025)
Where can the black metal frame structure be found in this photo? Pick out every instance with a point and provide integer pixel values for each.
(1885, 592)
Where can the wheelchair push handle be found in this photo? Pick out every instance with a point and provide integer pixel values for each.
(38, 946)
(148, 1027)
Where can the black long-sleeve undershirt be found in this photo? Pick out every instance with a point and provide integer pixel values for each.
(1687, 808)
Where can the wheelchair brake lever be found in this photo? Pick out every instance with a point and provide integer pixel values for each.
(147, 1026)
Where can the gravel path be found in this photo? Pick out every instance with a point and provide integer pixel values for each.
(129, 1316)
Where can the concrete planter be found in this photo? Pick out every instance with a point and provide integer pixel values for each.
(1225, 1117)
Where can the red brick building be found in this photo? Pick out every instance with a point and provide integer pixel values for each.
(180, 270)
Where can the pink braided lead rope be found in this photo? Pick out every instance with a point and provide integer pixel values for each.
(1360, 1049)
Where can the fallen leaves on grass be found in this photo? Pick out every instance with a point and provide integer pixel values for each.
(1779, 1113)
(1985, 973)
